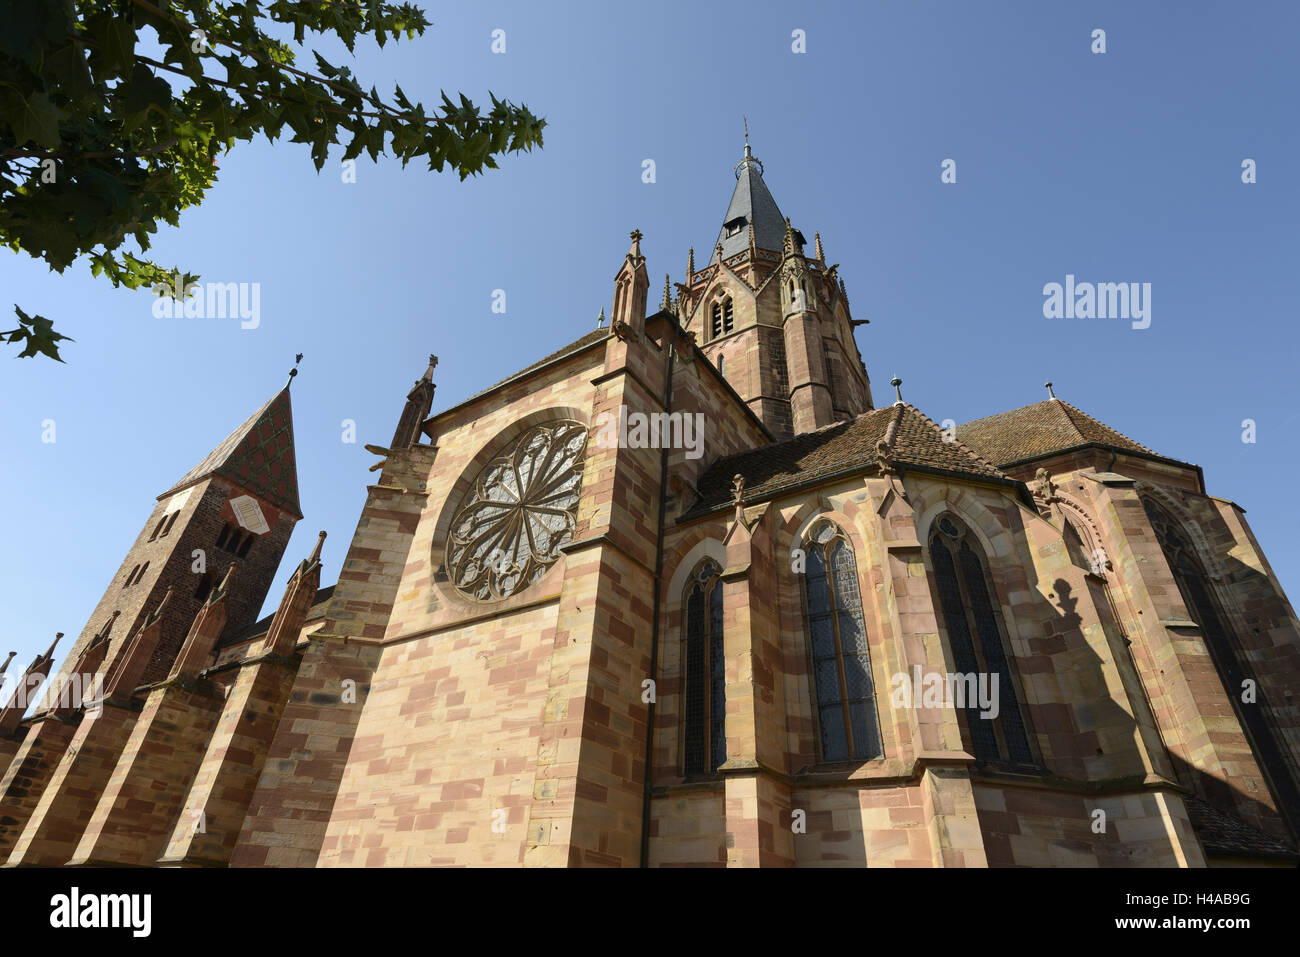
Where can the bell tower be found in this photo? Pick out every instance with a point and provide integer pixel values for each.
(238, 505)
(775, 321)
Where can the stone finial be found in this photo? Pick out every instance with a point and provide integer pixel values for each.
(667, 301)
(600, 320)
(315, 552)
(897, 383)
(637, 236)
(222, 590)
(428, 373)
(5, 667)
(58, 636)
(690, 266)
(817, 245)
(1050, 393)
(738, 495)
(844, 294)
(717, 251)
(753, 242)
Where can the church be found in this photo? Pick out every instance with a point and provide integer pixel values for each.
(761, 622)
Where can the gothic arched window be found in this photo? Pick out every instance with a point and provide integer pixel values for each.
(843, 692)
(966, 599)
(704, 742)
(1234, 671)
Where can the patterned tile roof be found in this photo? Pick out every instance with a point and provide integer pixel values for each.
(1223, 834)
(259, 455)
(914, 437)
(1038, 430)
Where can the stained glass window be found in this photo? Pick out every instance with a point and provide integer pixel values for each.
(518, 513)
(978, 648)
(837, 640)
(704, 710)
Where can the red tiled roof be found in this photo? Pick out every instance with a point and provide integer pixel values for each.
(1223, 834)
(914, 438)
(1038, 430)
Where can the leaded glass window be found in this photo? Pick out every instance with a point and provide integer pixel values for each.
(704, 698)
(975, 635)
(844, 693)
(521, 509)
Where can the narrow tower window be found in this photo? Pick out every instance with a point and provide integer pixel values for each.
(843, 690)
(705, 740)
(723, 317)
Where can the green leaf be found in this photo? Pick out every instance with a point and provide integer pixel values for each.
(36, 120)
(39, 334)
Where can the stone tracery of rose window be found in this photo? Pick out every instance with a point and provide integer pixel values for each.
(520, 510)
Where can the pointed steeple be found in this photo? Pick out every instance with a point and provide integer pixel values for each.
(259, 455)
(751, 205)
(667, 301)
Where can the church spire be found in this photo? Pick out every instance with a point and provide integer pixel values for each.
(258, 456)
(752, 208)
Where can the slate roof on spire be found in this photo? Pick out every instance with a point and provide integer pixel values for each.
(750, 202)
(259, 456)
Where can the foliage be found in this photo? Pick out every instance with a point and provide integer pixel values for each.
(99, 142)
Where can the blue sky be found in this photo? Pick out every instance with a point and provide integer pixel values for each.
(1122, 166)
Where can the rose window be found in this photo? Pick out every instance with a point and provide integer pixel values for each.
(521, 509)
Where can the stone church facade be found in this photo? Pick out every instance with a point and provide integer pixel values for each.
(681, 594)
